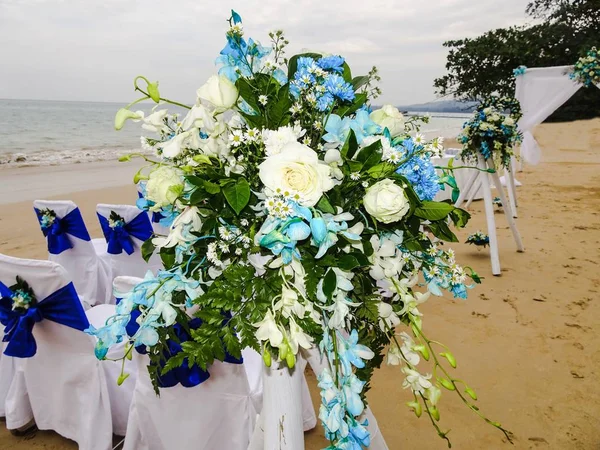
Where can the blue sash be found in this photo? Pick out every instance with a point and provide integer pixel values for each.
(119, 238)
(56, 234)
(185, 375)
(63, 306)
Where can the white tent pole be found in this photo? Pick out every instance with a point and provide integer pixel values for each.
(474, 190)
(465, 190)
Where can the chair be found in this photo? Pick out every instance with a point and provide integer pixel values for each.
(69, 244)
(57, 381)
(125, 233)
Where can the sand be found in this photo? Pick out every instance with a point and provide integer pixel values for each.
(526, 341)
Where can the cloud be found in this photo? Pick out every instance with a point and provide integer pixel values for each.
(89, 50)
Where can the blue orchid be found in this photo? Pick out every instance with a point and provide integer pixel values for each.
(363, 126)
(325, 230)
(352, 353)
(337, 129)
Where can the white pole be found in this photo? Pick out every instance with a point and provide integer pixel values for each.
(474, 191)
(509, 176)
(465, 190)
(489, 215)
(282, 408)
(506, 206)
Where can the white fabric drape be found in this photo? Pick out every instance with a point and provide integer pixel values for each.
(541, 91)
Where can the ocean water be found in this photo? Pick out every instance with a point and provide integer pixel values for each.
(34, 132)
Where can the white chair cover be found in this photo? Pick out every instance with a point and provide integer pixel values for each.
(124, 264)
(460, 175)
(90, 274)
(63, 385)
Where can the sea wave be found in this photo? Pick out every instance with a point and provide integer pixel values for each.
(58, 157)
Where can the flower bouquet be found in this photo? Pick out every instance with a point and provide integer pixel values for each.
(302, 220)
(479, 239)
(587, 69)
(492, 131)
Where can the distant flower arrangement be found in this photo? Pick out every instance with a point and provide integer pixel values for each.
(587, 69)
(478, 239)
(492, 131)
(300, 219)
(520, 71)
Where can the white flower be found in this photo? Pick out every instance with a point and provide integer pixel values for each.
(155, 122)
(259, 261)
(355, 176)
(394, 356)
(236, 138)
(164, 186)
(298, 338)
(386, 261)
(268, 330)
(415, 381)
(386, 201)
(388, 319)
(263, 99)
(275, 140)
(172, 148)
(389, 117)
(198, 117)
(509, 121)
(296, 169)
(288, 303)
(407, 348)
(433, 395)
(219, 92)
(419, 139)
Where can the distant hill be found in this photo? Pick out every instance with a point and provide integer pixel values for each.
(449, 106)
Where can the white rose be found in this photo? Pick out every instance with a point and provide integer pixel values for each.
(509, 121)
(386, 201)
(219, 92)
(389, 117)
(296, 170)
(164, 186)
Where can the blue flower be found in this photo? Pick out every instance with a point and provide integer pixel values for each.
(352, 353)
(337, 129)
(519, 71)
(363, 126)
(333, 62)
(421, 174)
(338, 87)
(325, 101)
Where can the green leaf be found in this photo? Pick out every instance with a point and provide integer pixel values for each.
(147, 249)
(247, 93)
(433, 210)
(360, 81)
(211, 188)
(253, 121)
(441, 231)
(359, 100)
(460, 217)
(347, 74)
(237, 194)
(381, 170)
(347, 262)
(324, 205)
(279, 109)
(329, 283)
(370, 155)
(350, 146)
(167, 255)
(198, 196)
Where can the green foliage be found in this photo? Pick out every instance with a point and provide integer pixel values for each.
(237, 194)
(479, 66)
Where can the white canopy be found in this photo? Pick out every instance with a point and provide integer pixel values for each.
(541, 91)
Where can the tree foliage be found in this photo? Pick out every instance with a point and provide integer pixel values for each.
(478, 67)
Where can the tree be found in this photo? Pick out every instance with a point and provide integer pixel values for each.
(478, 67)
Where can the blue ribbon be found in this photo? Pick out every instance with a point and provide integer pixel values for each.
(63, 306)
(185, 375)
(119, 238)
(56, 234)
(145, 206)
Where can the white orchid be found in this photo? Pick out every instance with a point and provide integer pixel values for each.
(388, 319)
(298, 338)
(415, 381)
(288, 303)
(269, 331)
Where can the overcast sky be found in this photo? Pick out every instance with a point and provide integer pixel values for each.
(91, 49)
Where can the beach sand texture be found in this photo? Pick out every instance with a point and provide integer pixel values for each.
(527, 342)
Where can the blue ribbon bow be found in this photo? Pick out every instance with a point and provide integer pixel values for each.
(63, 306)
(56, 234)
(119, 238)
(185, 375)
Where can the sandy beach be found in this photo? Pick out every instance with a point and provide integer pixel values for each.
(526, 341)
